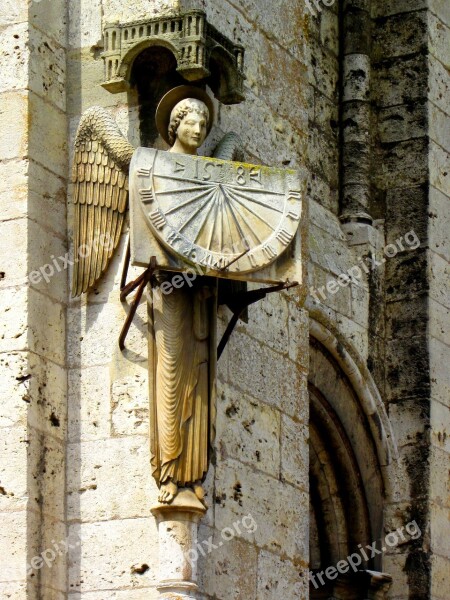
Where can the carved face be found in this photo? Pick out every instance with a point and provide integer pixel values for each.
(189, 125)
(192, 130)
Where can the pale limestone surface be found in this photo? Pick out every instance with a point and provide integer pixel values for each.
(262, 406)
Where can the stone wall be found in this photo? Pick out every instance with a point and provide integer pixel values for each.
(260, 473)
(33, 165)
(74, 422)
(439, 294)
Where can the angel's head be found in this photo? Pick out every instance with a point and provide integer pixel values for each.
(189, 124)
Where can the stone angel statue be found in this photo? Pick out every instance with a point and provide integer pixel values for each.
(182, 344)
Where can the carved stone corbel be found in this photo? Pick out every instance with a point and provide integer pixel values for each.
(201, 52)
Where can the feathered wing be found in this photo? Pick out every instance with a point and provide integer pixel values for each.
(100, 176)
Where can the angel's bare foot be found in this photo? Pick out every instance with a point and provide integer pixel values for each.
(167, 492)
(199, 492)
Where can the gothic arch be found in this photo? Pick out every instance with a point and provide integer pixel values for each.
(352, 451)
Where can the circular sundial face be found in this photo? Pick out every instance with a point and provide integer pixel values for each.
(225, 216)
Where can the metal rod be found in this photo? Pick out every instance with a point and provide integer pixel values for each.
(145, 278)
(126, 264)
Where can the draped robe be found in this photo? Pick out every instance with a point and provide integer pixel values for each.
(182, 355)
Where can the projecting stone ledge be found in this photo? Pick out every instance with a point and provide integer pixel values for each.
(201, 52)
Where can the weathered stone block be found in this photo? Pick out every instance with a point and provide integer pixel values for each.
(111, 554)
(439, 316)
(397, 81)
(85, 19)
(410, 420)
(13, 330)
(405, 316)
(129, 402)
(89, 404)
(47, 67)
(439, 171)
(439, 223)
(13, 124)
(145, 593)
(14, 57)
(278, 578)
(439, 276)
(400, 35)
(230, 570)
(47, 142)
(406, 275)
(50, 16)
(400, 123)
(268, 321)
(248, 431)
(406, 211)
(294, 452)
(440, 567)
(439, 83)
(13, 470)
(45, 395)
(404, 164)
(440, 412)
(14, 547)
(46, 327)
(407, 368)
(441, 9)
(324, 74)
(47, 478)
(252, 371)
(110, 479)
(278, 512)
(439, 485)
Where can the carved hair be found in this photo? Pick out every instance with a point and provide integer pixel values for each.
(181, 110)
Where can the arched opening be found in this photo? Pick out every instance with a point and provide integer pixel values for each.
(347, 480)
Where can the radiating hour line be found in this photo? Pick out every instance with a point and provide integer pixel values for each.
(250, 189)
(195, 214)
(230, 209)
(190, 201)
(244, 219)
(236, 199)
(216, 208)
(260, 202)
(213, 204)
(190, 189)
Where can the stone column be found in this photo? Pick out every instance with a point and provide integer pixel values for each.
(177, 531)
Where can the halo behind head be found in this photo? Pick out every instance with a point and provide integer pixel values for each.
(171, 99)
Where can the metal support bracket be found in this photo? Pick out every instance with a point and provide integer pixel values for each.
(140, 283)
(242, 301)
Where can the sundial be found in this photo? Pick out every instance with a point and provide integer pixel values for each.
(230, 218)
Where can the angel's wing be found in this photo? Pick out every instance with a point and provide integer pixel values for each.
(100, 195)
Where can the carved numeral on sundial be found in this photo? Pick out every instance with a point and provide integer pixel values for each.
(252, 260)
(179, 167)
(295, 216)
(255, 175)
(283, 237)
(146, 196)
(294, 195)
(269, 252)
(173, 237)
(157, 218)
(144, 172)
